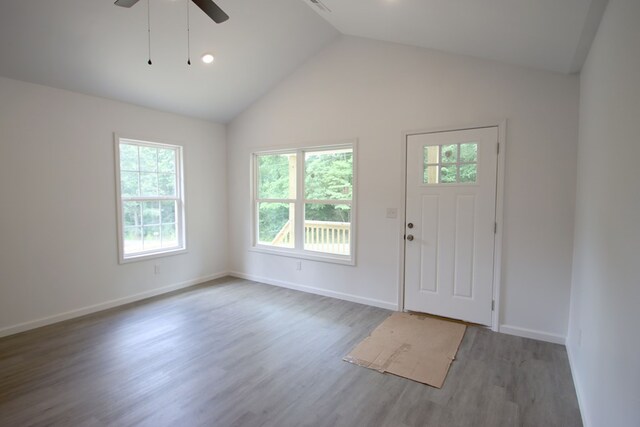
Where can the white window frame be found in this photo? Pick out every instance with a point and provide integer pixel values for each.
(298, 250)
(179, 198)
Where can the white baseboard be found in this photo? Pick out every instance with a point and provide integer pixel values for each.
(32, 324)
(533, 334)
(317, 291)
(576, 385)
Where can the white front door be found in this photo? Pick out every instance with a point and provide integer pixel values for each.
(450, 223)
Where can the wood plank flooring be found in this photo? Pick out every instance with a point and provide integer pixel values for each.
(237, 353)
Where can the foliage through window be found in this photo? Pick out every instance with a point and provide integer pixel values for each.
(455, 163)
(150, 202)
(308, 212)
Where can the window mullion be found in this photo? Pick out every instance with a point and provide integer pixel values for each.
(254, 199)
(149, 199)
(287, 201)
(329, 202)
(299, 202)
(179, 177)
(458, 163)
(138, 171)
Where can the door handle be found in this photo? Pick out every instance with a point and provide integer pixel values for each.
(410, 237)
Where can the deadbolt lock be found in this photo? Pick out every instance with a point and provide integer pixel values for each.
(410, 225)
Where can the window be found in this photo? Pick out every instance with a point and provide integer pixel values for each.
(447, 164)
(150, 199)
(304, 202)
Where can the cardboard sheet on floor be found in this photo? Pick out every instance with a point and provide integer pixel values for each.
(418, 347)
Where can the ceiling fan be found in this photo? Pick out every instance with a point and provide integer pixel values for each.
(208, 6)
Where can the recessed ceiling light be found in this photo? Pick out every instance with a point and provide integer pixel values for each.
(207, 58)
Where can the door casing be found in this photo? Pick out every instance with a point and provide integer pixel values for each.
(500, 176)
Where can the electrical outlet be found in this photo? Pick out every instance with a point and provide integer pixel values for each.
(156, 269)
(298, 265)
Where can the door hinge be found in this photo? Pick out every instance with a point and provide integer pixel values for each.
(498, 151)
(495, 228)
(493, 305)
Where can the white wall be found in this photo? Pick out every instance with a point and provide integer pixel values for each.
(58, 250)
(604, 341)
(359, 88)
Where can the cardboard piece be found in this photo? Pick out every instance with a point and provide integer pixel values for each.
(417, 347)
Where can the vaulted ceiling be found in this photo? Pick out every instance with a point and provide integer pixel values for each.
(552, 35)
(97, 48)
(94, 47)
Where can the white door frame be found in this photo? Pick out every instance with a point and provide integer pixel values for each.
(497, 249)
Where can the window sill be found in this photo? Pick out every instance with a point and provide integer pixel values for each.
(144, 257)
(303, 254)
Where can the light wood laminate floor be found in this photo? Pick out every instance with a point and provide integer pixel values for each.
(237, 353)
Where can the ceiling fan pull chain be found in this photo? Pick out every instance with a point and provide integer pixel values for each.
(149, 28)
(188, 36)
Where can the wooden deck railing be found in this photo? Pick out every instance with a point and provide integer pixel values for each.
(284, 236)
(323, 236)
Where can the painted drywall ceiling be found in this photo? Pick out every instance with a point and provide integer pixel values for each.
(553, 35)
(100, 49)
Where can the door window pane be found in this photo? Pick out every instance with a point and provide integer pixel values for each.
(432, 154)
(468, 153)
(448, 173)
(449, 153)
(468, 173)
(448, 164)
(431, 174)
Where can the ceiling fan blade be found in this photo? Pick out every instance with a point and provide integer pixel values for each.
(125, 3)
(212, 9)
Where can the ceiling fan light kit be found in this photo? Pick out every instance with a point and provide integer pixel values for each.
(209, 7)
